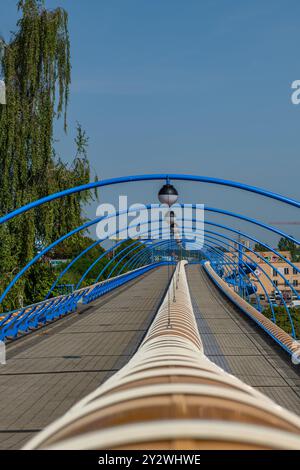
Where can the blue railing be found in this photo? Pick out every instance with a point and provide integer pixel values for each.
(22, 321)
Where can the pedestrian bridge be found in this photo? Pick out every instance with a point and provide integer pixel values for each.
(66, 347)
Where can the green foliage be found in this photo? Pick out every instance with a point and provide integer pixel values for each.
(80, 267)
(38, 283)
(69, 250)
(285, 244)
(259, 247)
(136, 247)
(282, 318)
(37, 72)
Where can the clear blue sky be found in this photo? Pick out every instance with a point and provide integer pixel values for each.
(195, 86)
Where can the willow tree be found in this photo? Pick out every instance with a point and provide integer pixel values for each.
(37, 72)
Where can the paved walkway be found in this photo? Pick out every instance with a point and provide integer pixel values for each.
(51, 369)
(237, 345)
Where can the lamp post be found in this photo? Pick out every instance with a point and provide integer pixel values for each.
(168, 195)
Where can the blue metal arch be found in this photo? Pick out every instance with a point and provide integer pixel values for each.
(210, 209)
(95, 221)
(107, 265)
(228, 247)
(203, 179)
(150, 177)
(268, 277)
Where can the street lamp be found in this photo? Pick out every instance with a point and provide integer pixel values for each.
(168, 195)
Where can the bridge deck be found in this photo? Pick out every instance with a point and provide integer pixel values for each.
(51, 369)
(237, 345)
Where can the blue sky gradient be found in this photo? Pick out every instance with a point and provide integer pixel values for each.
(197, 86)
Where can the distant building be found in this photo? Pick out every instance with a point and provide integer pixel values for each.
(280, 267)
(265, 274)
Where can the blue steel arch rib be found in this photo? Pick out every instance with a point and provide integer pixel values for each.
(230, 249)
(19, 321)
(271, 265)
(266, 261)
(265, 273)
(107, 265)
(53, 245)
(221, 254)
(65, 270)
(142, 257)
(256, 240)
(47, 307)
(247, 236)
(267, 295)
(132, 262)
(209, 209)
(261, 257)
(94, 263)
(151, 177)
(136, 259)
(139, 259)
(273, 285)
(232, 261)
(136, 245)
(45, 251)
(232, 184)
(167, 177)
(125, 264)
(223, 212)
(252, 221)
(97, 220)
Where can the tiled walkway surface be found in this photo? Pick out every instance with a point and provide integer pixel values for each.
(237, 345)
(51, 369)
